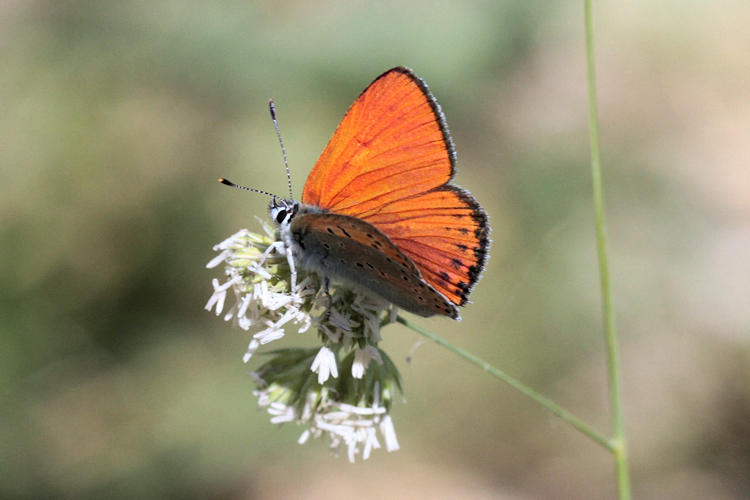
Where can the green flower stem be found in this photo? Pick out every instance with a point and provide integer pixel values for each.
(516, 384)
(610, 330)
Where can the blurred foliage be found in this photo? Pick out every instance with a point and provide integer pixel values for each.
(116, 118)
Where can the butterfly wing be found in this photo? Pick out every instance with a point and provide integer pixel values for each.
(445, 233)
(354, 250)
(392, 144)
(389, 164)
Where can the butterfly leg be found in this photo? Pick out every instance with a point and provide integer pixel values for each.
(273, 247)
(286, 249)
(327, 292)
(292, 269)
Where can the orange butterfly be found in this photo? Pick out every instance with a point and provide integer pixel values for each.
(378, 211)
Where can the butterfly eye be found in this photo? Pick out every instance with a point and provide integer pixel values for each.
(280, 216)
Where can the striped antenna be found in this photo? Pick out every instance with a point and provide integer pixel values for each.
(272, 109)
(232, 184)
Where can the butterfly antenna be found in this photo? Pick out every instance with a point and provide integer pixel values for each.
(272, 109)
(253, 190)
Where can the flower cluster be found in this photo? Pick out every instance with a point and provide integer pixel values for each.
(341, 391)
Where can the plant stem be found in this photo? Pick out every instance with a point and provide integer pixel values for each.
(610, 330)
(516, 384)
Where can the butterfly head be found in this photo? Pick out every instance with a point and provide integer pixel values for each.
(282, 211)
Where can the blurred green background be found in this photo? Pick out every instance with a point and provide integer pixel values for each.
(116, 118)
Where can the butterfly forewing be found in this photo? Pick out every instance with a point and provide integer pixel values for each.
(356, 252)
(389, 146)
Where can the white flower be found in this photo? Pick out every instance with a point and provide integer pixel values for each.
(354, 427)
(267, 299)
(324, 365)
(263, 293)
(362, 358)
(263, 301)
(281, 413)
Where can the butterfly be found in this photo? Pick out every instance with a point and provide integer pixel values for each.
(378, 211)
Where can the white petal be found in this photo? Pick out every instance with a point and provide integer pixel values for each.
(370, 442)
(352, 450)
(358, 369)
(334, 368)
(389, 434)
(244, 304)
(304, 437)
(251, 348)
(394, 313)
(218, 259)
(257, 379)
(374, 353)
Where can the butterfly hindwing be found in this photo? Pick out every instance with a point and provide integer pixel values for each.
(445, 233)
(349, 249)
